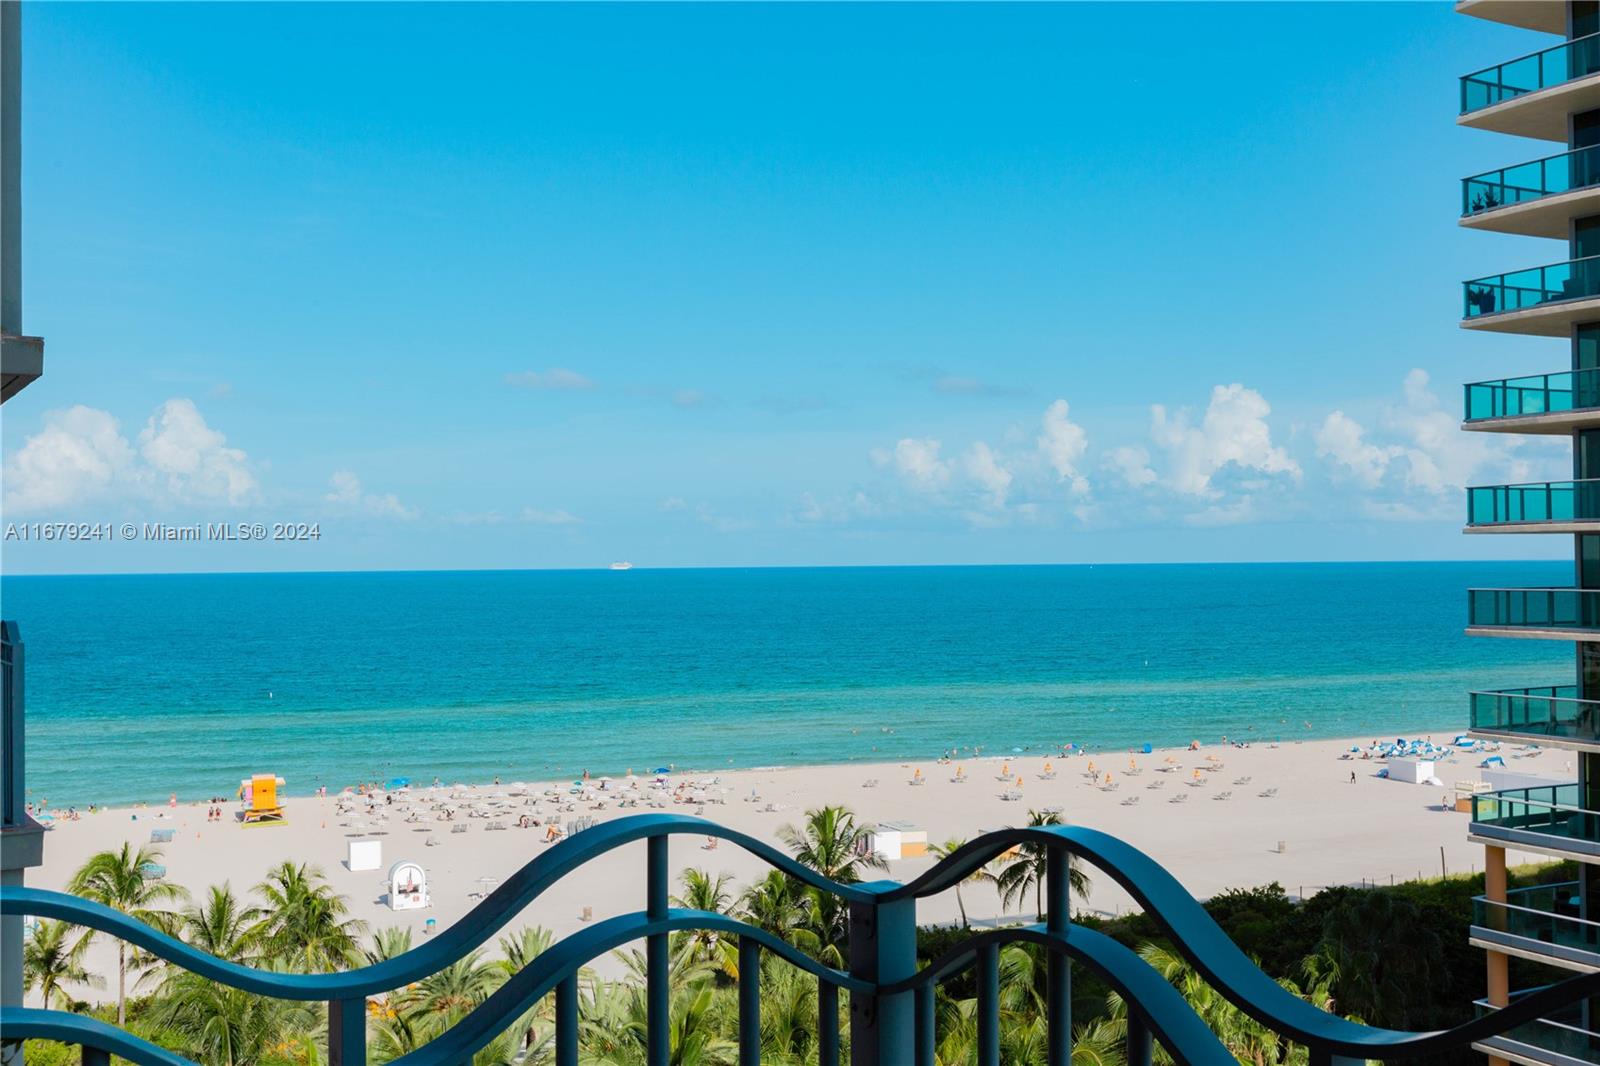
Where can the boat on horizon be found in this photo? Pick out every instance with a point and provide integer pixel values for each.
(622, 566)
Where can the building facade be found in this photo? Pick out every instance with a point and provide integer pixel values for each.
(1552, 95)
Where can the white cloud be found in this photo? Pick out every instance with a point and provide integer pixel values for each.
(193, 459)
(549, 518)
(984, 468)
(1063, 443)
(555, 379)
(688, 398)
(81, 456)
(918, 462)
(672, 503)
(346, 492)
(1133, 464)
(1232, 432)
(1342, 441)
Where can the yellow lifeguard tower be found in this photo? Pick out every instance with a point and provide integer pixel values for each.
(260, 796)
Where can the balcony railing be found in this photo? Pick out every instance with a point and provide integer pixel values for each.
(1560, 1035)
(1534, 608)
(1555, 712)
(1534, 180)
(1547, 67)
(1544, 913)
(1548, 811)
(892, 1016)
(1575, 279)
(1536, 394)
(1538, 501)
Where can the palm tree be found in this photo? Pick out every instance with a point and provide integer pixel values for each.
(116, 879)
(388, 943)
(980, 876)
(306, 923)
(49, 962)
(222, 925)
(613, 1027)
(223, 1026)
(446, 997)
(779, 905)
(831, 843)
(1023, 874)
(703, 892)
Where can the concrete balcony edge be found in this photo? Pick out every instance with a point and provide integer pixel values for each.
(1548, 216)
(1590, 526)
(1553, 319)
(1527, 840)
(1541, 114)
(1548, 423)
(1531, 633)
(1534, 950)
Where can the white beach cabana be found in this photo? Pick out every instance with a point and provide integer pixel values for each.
(408, 887)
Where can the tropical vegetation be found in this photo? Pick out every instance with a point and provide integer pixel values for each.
(1396, 956)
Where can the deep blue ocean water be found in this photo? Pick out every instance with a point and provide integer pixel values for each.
(138, 685)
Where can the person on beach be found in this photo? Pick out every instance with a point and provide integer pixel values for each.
(1352, 777)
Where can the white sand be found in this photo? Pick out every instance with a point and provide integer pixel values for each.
(1335, 832)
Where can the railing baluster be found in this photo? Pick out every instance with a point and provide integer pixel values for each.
(347, 1032)
(1058, 976)
(749, 1002)
(827, 1023)
(658, 990)
(1140, 1047)
(927, 1025)
(567, 1022)
(989, 1005)
(883, 950)
(93, 1056)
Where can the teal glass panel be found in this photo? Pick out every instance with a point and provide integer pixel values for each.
(1549, 810)
(1553, 711)
(1561, 1033)
(1546, 913)
(1547, 608)
(1537, 394)
(1574, 279)
(1539, 70)
(1579, 169)
(1541, 501)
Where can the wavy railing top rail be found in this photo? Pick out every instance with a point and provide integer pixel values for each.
(1197, 937)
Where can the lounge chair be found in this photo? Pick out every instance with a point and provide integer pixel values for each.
(871, 782)
(1179, 798)
(1130, 801)
(459, 827)
(1157, 784)
(1268, 793)
(161, 836)
(1223, 795)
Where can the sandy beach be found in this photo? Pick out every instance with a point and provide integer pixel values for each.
(1333, 831)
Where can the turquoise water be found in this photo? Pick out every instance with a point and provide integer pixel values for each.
(138, 685)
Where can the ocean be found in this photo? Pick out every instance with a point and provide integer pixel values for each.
(141, 685)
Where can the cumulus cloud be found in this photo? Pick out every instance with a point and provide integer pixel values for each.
(81, 455)
(1233, 431)
(1063, 443)
(1342, 441)
(555, 379)
(1416, 459)
(192, 459)
(918, 462)
(1132, 464)
(985, 470)
(345, 491)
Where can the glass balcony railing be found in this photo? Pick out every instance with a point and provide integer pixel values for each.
(1579, 169)
(1541, 501)
(1556, 608)
(1555, 711)
(1560, 1033)
(1537, 394)
(1564, 62)
(1546, 913)
(1522, 289)
(1549, 810)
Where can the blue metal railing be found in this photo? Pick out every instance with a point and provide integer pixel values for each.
(891, 1005)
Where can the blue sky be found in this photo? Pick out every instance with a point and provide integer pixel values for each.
(504, 286)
